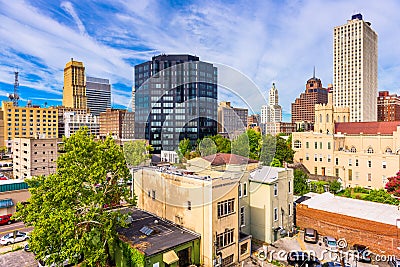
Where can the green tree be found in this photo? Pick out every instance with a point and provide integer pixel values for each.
(248, 144)
(276, 163)
(207, 147)
(268, 149)
(284, 151)
(223, 144)
(136, 152)
(184, 148)
(335, 186)
(300, 182)
(68, 209)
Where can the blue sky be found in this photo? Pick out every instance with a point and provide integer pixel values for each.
(267, 41)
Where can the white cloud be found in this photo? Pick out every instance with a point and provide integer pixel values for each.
(67, 6)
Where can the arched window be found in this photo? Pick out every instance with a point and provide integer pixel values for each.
(320, 118)
(353, 149)
(327, 117)
(370, 150)
(388, 150)
(338, 118)
(297, 144)
(344, 118)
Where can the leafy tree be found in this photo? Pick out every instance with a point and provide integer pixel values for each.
(300, 182)
(268, 149)
(381, 196)
(207, 147)
(393, 185)
(223, 144)
(68, 209)
(184, 148)
(335, 186)
(136, 152)
(248, 144)
(276, 163)
(284, 152)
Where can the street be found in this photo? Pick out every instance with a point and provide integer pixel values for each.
(9, 228)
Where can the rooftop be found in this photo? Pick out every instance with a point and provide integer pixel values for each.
(224, 158)
(266, 174)
(372, 211)
(164, 236)
(384, 127)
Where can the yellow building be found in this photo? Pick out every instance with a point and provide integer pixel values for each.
(74, 91)
(29, 121)
(359, 153)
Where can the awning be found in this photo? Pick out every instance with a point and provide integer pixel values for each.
(170, 257)
(6, 203)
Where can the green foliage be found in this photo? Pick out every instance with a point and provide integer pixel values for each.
(393, 185)
(133, 256)
(184, 148)
(300, 182)
(276, 163)
(318, 186)
(268, 149)
(223, 144)
(207, 147)
(136, 152)
(248, 144)
(284, 152)
(374, 195)
(68, 209)
(335, 186)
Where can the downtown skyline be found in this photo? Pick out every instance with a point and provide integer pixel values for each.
(271, 42)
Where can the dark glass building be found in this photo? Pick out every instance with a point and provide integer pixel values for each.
(175, 98)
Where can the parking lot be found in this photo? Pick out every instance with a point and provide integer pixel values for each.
(279, 250)
(18, 258)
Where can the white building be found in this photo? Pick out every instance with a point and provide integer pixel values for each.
(355, 67)
(73, 122)
(271, 114)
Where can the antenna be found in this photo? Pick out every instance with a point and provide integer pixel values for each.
(15, 97)
(314, 73)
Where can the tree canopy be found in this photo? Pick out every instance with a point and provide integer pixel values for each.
(248, 144)
(136, 152)
(393, 185)
(300, 182)
(68, 209)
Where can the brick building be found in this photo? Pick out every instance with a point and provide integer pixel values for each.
(388, 107)
(303, 106)
(357, 221)
(117, 122)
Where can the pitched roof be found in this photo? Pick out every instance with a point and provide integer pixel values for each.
(223, 159)
(383, 127)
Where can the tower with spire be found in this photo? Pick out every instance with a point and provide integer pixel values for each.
(273, 111)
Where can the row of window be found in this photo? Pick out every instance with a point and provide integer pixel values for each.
(297, 144)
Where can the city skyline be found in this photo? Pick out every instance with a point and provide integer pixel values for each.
(268, 42)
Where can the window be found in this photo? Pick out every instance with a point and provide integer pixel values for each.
(320, 157)
(243, 248)
(226, 207)
(369, 163)
(329, 158)
(316, 170)
(353, 149)
(242, 218)
(369, 177)
(315, 157)
(245, 189)
(350, 175)
(350, 162)
(290, 186)
(388, 150)
(225, 239)
(275, 189)
(189, 205)
(289, 209)
(228, 260)
(275, 214)
(297, 144)
(153, 194)
(337, 172)
(240, 190)
(307, 145)
(316, 145)
(384, 164)
(356, 162)
(329, 145)
(320, 145)
(370, 150)
(336, 161)
(307, 157)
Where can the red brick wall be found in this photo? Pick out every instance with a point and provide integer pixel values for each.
(379, 237)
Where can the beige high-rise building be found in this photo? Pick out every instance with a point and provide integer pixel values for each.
(74, 91)
(355, 68)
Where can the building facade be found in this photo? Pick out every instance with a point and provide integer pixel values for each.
(359, 153)
(273, 111)
(355, 68)
(26, 122)
(253, 120)
(231, 120)
(12, 192)
(61, 111)
(175, 98)
(74, 90)
(303, 108)
(388, 106)
(73, 122)
(98, 92)
(34, 157)
(117, 122)
(274, 128)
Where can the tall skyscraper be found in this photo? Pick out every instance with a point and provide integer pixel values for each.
(303, 108)
(355, 67)
(74, 91)
(273, 111)
(175, 98)
(98, 92)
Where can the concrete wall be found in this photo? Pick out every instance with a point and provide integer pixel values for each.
(16, 196)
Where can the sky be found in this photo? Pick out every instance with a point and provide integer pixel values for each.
(267, 41)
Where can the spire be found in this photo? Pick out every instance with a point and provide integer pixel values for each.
(314, 73)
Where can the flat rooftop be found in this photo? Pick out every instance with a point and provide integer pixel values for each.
(266, 174)
(165, 235)
(372, 211)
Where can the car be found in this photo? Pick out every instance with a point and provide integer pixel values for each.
(394, 262)
(5, 219)
(362, 253)
(331, 243)
(310, 235)
(4, 178)
(300, 258)
(335, 264)
(13, 237)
